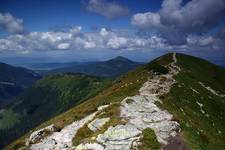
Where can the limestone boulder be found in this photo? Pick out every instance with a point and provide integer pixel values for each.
(97, 124)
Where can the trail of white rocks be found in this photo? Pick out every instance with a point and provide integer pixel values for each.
(142, 112)
(139, 111)
(211, 90)
(62, 140)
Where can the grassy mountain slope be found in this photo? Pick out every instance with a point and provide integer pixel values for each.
(13, 80)
(202, 123)
(48, 97)
(110, 68)
(202, 128)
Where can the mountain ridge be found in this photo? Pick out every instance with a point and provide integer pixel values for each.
(110, 68)
(190, 100)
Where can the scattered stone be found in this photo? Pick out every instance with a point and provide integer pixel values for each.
(40, 134)
(211, 90)
(62, 140)
(97, 124)
(90, 146)
(199, 104)
(202, 111)
(194, 90)
(102, 107)
(201, 107)
(142, 112)
(119, 137)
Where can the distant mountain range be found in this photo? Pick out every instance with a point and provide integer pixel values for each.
(44, 67)
(110, 68)
(13, 80)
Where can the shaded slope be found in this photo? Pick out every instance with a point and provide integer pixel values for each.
(13, 80)
(48, 97)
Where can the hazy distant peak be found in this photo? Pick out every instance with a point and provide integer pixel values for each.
(121, 58)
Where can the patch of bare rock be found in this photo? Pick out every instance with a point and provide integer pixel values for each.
(97, 124)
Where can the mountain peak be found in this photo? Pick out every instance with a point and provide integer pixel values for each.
(121, 58)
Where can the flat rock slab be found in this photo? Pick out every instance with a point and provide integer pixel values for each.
(152, 117)
(90, 146)
(62, 140)
(119, 137)
(97, 124)
(39, 134)
(102, 107)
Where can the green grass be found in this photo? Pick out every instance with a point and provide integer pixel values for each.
(200, 131)
(149, 140)
(83, 135)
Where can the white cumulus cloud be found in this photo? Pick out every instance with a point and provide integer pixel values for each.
(11, 24)
(175, 21)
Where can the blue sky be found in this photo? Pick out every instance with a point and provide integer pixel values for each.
(39, 15)
(87, 30)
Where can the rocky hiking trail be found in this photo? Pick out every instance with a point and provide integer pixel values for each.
(139, 112)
